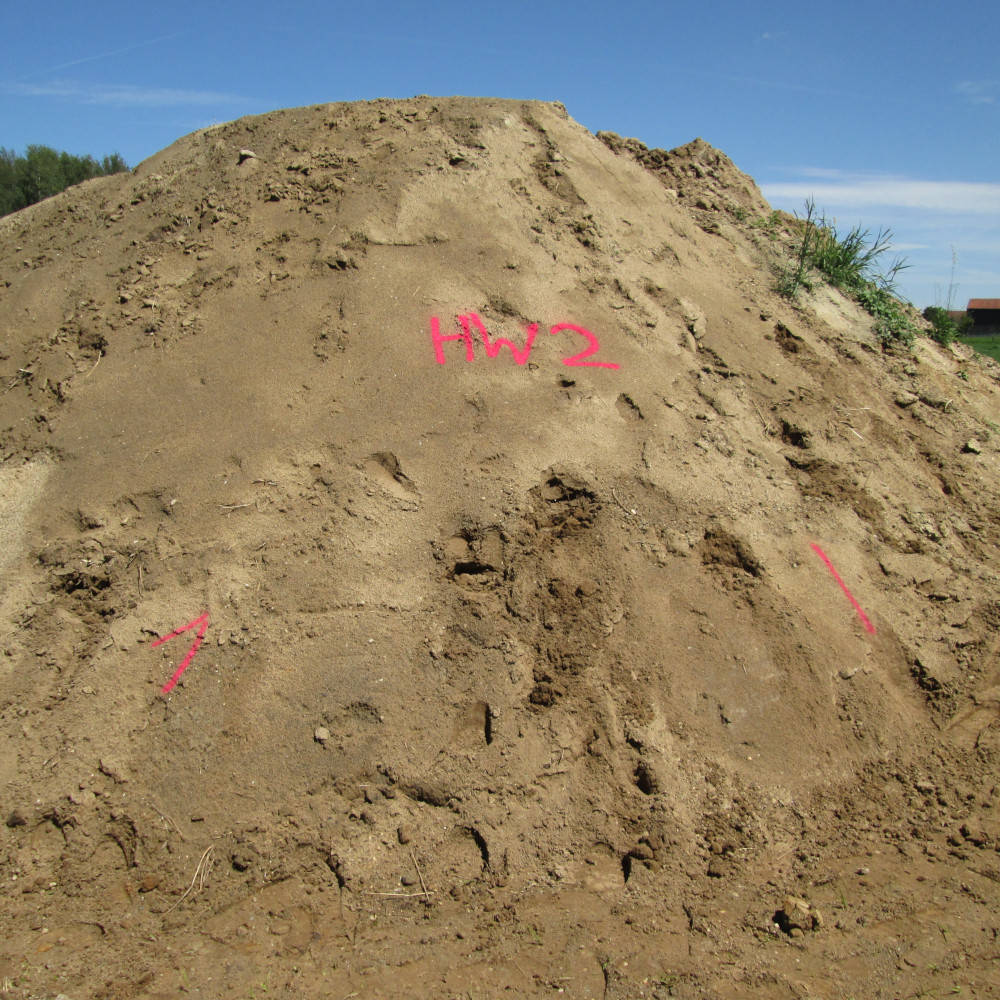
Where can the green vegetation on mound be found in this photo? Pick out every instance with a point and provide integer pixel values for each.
(852, 262)
(944, 329)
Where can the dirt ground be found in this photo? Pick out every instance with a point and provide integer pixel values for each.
(562, 612)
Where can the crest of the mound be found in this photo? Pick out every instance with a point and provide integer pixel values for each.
(499, 478)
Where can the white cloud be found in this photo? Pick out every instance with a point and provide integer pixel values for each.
(959, 197)
(826, 173)
(978, 91)
(124, 95)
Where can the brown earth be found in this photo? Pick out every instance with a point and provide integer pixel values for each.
(517, 679)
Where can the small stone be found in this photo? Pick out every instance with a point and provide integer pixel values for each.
(149, 883)
(408, 880)
(846, 673)
(241, 860)
(404, 834)
(321, 734)
(972, 447)
(247, 154)
(717, 868)
(905, 399)
(113, 769)
(17, 818)
(125, 297)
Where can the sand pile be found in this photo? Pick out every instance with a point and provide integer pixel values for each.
(559, 608)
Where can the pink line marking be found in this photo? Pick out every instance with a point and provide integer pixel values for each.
(843, 586)
(201, 623)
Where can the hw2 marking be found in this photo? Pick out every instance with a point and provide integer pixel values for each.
(521, 354)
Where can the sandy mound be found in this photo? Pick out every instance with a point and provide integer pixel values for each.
(564, 611)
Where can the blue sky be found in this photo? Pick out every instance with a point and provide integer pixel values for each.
(887, 113)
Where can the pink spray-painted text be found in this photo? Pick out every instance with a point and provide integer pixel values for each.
(467, 338)
(201, 624)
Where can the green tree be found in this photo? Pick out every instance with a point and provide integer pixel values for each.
(43, 172)
(8, 181)
(40, 174)
(114, 164)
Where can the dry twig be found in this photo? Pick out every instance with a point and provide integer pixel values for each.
(423, 884)
(397, 895)
(167, 819)
(200, 874)
(767, 427)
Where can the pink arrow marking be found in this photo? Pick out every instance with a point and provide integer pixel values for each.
(201, 624)
(843, 586)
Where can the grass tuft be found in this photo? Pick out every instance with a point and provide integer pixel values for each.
(853, 262)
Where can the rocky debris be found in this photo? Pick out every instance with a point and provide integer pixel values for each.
(982, 831)
(696, 171)
(797, 917)
(935, 671)
(114, 769)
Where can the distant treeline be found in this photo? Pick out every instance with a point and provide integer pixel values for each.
(43, 172)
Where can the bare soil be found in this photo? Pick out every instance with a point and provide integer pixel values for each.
(669, 671)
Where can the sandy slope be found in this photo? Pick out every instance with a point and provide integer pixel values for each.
(525, 669)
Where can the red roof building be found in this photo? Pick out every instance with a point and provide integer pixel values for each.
(985, 315)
